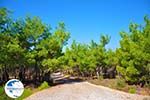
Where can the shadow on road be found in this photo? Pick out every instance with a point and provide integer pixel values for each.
(70, 80)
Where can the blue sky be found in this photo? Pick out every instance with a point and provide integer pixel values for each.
(84, 19)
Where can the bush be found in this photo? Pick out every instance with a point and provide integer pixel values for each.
(132, 90)
(27, 92)
(3, 96)
(1, 90)
(120, 84)
(44, 85)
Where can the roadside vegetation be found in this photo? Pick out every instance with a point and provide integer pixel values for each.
(120, 84)
(30, 51)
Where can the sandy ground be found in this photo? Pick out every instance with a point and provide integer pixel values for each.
(83, 91)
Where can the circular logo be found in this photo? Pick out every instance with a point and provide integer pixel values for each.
(14, 88)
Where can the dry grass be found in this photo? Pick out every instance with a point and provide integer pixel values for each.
(120, 85)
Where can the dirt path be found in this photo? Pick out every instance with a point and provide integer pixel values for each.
(83, 91)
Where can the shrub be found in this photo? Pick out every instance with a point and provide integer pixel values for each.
(1, 90)
(3, 96)
(132, 90)
(120, 83)
(44, 85)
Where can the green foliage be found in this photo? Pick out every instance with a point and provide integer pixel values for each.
(52, 64)
(132, 90)
(29, 42)
(1, 90)
(104, 39)
(3, 95)
(121, 70)
(120, 83)
(44, 85)
(134, 53)
(110, 58)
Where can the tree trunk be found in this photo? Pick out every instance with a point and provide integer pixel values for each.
(5, 76)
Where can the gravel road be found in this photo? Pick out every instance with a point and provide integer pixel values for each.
(83, 91)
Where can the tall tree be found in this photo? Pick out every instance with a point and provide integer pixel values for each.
(134, 53)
